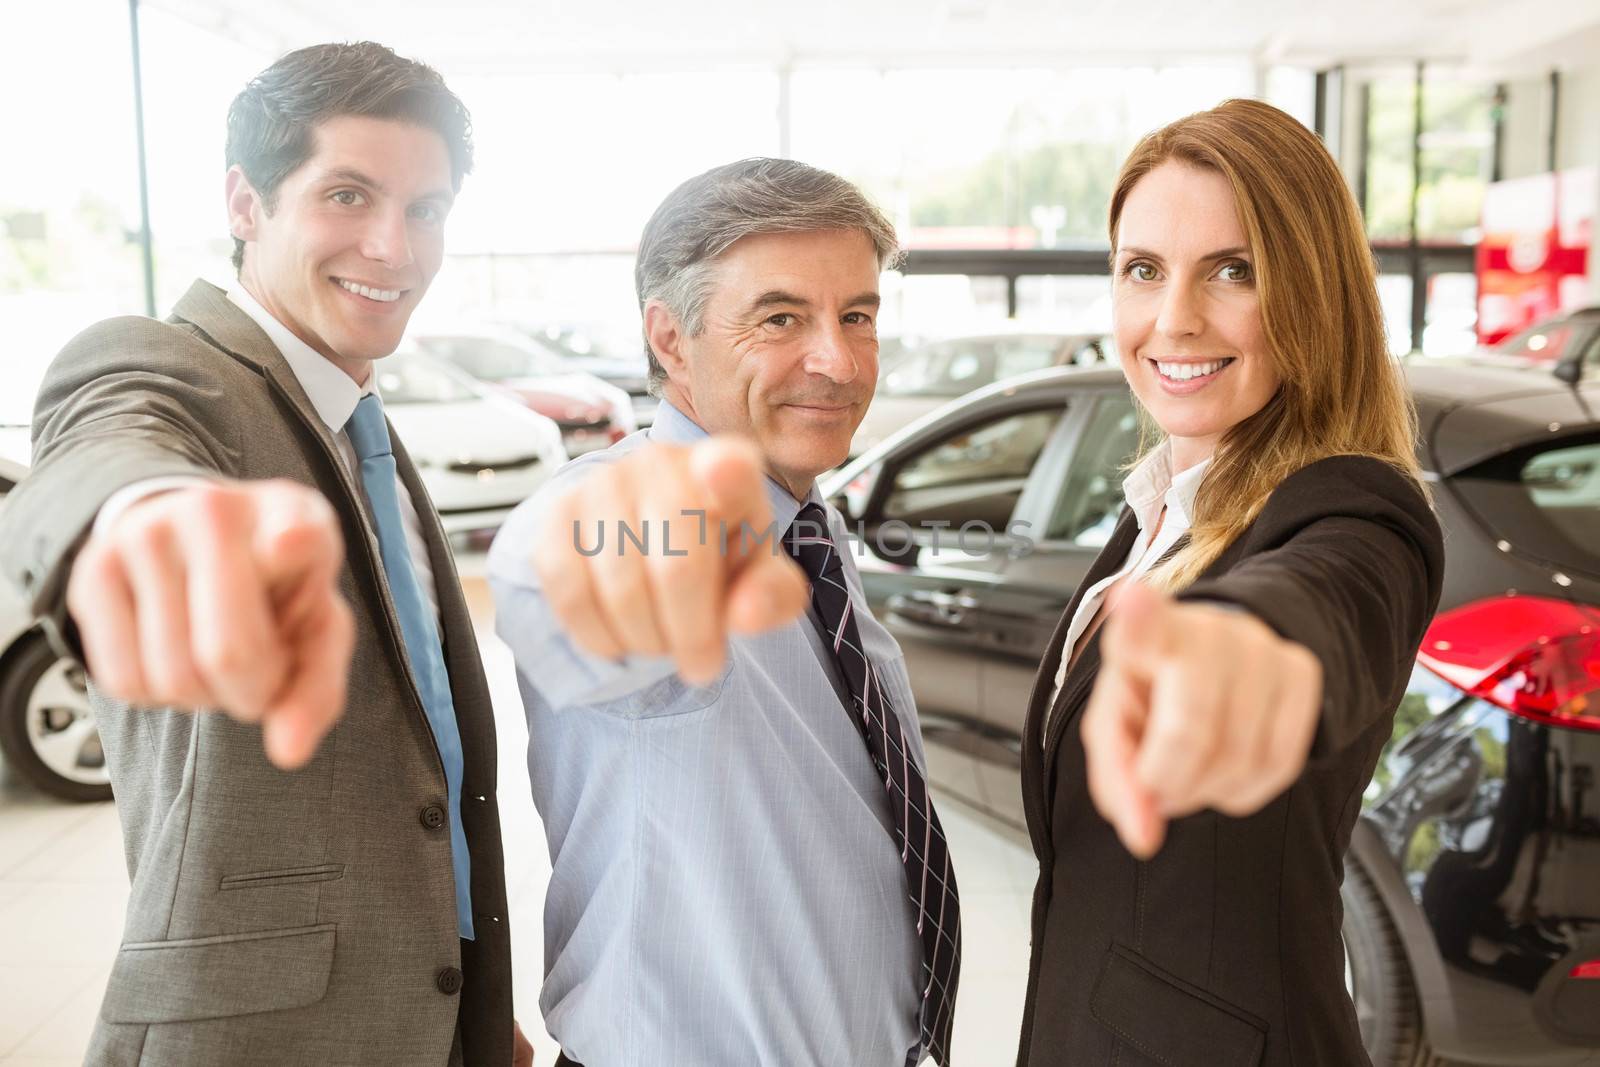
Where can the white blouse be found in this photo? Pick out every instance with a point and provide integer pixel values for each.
(1149, 487)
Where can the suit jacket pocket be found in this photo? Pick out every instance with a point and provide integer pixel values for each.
(327, 872)
(215, 977)
(1171, 1021)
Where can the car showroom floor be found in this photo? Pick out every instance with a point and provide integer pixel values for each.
(63, 887)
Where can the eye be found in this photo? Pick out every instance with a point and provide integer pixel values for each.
(347, 197)
(1140, 270)
(780, 320)
(1236, 270)
(426, 212)
(858, 318)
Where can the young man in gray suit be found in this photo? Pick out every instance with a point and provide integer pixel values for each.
(746, 864)
(217, 518)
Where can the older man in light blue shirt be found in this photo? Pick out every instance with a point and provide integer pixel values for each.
(746, 867)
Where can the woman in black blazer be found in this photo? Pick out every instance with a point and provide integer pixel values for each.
(1193, 768)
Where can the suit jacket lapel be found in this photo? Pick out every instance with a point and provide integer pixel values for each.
(1035, 764)
(1079, 683)
(226, 326)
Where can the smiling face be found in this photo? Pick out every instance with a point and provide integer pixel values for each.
(354, 239)
(1187, 315)
(788, 353)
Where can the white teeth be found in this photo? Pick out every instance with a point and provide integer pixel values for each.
(386, 296)
(1182, 372)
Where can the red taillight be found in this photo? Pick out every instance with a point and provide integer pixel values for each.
(1586, 970)
(1535, 657)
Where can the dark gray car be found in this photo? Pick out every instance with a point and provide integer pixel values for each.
(1472, 894)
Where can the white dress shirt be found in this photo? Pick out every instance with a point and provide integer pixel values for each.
(334, 395)
(1149, 487)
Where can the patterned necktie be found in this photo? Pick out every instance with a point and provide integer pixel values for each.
(923, 850)
(370, 436)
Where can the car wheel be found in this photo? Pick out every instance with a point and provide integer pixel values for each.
(47, 730)
(1378, 978)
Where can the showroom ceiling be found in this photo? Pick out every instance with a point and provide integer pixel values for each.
(507, 36)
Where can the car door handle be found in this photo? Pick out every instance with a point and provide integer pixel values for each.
(932, 606)
(955, 602)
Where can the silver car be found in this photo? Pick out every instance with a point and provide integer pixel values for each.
(47, 731)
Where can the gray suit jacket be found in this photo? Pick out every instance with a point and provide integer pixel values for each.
(276, 918)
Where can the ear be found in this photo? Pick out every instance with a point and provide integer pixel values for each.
(244, 205)
(666, 336)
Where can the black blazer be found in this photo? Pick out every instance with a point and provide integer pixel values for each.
(1224, 949)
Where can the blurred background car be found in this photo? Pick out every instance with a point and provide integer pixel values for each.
(590, 412)
(479, 451)
(47, 731)
(613, 355)
(1472, 889)
(1570, 340)
(916, 378)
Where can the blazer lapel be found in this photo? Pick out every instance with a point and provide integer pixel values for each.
(1079, 683)
(1035, 787)
(226, 326)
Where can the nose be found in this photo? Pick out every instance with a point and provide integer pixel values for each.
(387, 239)
(832, 356)
(1181, 314)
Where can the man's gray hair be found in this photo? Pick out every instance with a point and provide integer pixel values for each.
(703, 217)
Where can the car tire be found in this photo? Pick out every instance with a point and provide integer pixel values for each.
(1379, 978)
(29, 715)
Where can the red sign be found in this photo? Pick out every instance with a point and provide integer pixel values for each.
(1533, 258)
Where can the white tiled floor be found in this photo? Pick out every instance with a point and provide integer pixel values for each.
(63, 888)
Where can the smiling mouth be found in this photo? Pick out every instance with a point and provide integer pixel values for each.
(382, 296)
(1188, 372)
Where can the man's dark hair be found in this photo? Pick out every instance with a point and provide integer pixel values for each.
(272, 123)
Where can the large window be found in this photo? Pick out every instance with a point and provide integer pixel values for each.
(994, 158)
(1456, 143)
(1422, 173)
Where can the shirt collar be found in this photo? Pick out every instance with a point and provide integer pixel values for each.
(674, 427)
(332, 392)
(1151, 486)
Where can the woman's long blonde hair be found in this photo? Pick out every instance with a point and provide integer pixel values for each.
(1341, 393)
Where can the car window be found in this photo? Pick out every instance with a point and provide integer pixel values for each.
(1549, 342)
(949, 368)
(488, 359)
(1543, 499)
(1019, 355)
(404, 379)
(975, 476)
(1091, 500)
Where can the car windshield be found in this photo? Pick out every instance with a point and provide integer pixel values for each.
(409, 379)
(592, 342)
(489, 359)
(1548, 342)
(1543, 500)
(953, 368)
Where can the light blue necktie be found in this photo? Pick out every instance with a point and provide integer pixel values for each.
(370, 436)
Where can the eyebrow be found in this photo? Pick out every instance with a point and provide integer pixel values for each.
(779, 296)
(350, 174)
(1145, 253)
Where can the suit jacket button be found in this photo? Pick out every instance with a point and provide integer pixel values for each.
(449, 981)
(433, 816)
